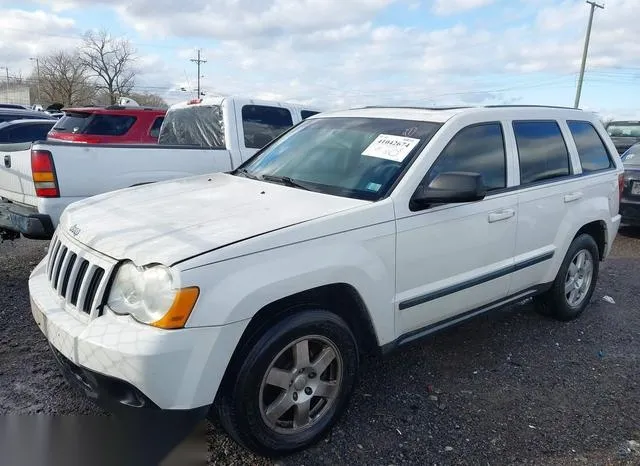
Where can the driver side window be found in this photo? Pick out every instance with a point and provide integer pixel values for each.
(477, 148)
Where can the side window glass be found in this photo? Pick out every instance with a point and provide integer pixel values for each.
(307, 113)
(542, 151)
(479, 149)
(154, 132)
(593, 154)
(25, 133)
(262, 124)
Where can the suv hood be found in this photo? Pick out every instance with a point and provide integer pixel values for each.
(170, 221)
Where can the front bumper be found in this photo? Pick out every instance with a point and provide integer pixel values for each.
(123, 364)
(25, 220)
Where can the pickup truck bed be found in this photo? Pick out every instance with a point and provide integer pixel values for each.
(85, 170)
(211, 135)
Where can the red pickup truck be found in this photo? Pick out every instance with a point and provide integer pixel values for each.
(109, 125)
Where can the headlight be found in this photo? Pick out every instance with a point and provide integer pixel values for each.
(149, 296)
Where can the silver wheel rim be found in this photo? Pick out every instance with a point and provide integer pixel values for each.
(578, 279)
(301, 384)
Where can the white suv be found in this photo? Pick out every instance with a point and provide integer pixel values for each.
(255, 292)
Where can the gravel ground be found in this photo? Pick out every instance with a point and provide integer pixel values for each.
(506, 388)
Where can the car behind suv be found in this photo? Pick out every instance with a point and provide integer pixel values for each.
(110, 125)
(252, 294)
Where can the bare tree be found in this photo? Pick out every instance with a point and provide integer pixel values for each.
(65, 79)
(110, 61)
(147, 99)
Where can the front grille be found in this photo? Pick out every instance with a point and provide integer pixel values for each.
(77, 276)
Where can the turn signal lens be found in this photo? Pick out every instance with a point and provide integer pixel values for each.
(180, 310)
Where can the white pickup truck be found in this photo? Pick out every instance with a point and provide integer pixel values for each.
(201, 136)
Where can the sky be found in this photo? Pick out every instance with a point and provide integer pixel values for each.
(337, 54)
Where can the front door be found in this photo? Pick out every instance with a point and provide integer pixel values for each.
(454, 259)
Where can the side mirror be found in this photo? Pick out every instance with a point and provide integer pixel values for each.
(449, 188)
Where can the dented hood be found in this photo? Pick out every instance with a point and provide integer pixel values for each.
(171, 221)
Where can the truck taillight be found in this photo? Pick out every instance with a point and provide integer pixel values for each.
(620, 184)
(44, 174)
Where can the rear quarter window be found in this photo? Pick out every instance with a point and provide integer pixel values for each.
(154, 132)
(591, 150)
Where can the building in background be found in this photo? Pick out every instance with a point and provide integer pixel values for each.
(15, 94)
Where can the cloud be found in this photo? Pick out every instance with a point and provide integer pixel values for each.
(449, 7)
(19, 42)
(337, 54)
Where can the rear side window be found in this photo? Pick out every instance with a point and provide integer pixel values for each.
(262, 124)
(478, 149)
(307, 113)
(95, 124)
(28, 133)
(542, 151)
(593, 154)
(154, 132)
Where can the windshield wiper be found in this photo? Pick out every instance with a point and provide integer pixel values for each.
(285, 180)
(246, 174)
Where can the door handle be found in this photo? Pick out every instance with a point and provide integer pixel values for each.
(571, 197)
(7, 161)
(501, 215)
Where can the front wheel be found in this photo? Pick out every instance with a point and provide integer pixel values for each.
(291, 385)
(576, 280)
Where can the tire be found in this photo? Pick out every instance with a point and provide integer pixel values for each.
(247, 396)
(566, 306)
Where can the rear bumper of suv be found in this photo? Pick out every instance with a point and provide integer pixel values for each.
(19, 219)
(630, 211)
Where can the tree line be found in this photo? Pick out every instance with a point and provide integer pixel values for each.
(98, 72)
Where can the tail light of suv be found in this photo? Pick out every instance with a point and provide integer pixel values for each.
(621, 182)
(44, 174)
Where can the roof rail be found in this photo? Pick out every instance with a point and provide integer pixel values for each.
(531, 106)
(418, 108)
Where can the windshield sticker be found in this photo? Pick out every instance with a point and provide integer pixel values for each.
(387, 146)
(373, 187)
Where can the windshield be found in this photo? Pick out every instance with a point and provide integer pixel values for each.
(352, 157)
(197, 125)
(624, 129)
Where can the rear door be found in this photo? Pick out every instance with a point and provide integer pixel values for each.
(16, 182)
(547, 186)
(259, 124)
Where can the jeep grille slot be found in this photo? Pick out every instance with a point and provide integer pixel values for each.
(77, 277)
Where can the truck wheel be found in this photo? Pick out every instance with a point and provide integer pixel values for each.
(291, 384)
(572, 289)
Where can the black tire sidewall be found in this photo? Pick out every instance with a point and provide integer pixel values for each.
(246, 390)
(561, 307)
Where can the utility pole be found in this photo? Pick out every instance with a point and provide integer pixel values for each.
(586, 50)
(198, 61)
(37, 60)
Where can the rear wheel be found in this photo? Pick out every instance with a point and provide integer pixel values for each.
(291, 385)
(573, 287)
